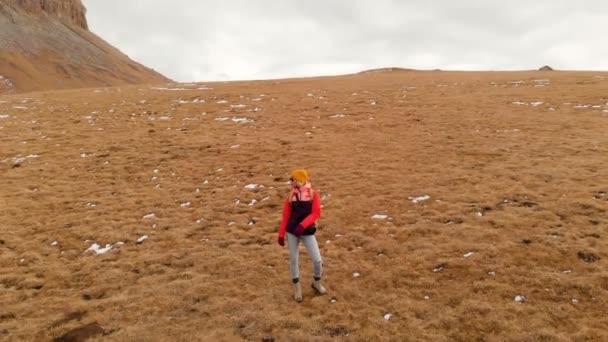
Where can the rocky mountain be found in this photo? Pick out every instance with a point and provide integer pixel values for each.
(46, 44)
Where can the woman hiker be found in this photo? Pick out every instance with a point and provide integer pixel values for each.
(300, 211)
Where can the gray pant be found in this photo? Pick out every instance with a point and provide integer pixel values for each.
(310, 242)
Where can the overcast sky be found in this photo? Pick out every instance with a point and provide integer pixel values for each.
(203, 40)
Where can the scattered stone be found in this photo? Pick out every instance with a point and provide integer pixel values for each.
(379, 217)
(388, 316)
(520, 298)
(469, 254)
(356, 274)
(588, 257)
(81, 334)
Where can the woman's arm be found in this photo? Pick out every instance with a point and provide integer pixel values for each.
(286, 214)
(316, 212)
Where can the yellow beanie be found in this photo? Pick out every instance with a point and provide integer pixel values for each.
(300, 176)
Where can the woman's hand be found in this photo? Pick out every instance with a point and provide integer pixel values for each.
(281, 241)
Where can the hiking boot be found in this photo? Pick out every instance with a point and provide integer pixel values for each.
(317, 286)
(297, 289)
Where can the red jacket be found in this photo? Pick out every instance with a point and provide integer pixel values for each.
(308, 221)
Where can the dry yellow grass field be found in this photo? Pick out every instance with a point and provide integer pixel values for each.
(514, 165)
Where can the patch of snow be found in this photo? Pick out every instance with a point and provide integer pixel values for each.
(251, 186)
(20, 107)
(4, 116)
(253, 202)
(420, 198)
(469, 254)
(492, 273)
(379, 217)
(99, 250)
(519, 298)
(338, 116)
(235, 119)
(388, 316)
(238, 106)
(170, 89)
(142, 239)
(356, 275)
(149, 216)
(536, 104)
(19, 160)
(54, 243)
(185, 205)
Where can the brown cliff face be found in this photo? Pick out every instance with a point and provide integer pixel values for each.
(69, 11)
(46, 44)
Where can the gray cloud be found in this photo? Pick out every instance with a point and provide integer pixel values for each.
(193, 40)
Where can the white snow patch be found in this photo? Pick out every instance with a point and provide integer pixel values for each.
(99, 250)
(185, 205)
(536, 104)
(4, 116)
(519, 298)
(388, 316)
(235, 119)
(338, 116)
(251, 186)
(19, 160)
(149, 216)
(469, 254)
(170, 89)
(379, 217)
(54, 243)
(420, 198)
(356, 274)
(142, 239)
(253, 202)
(238, 106)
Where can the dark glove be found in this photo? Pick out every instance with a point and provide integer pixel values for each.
(281, 241)
(299, 230)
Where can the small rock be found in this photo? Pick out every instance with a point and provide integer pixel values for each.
(588, 257)
(356, 274)
(142, 239)
(520, 298)
(388, 316)
(54, 243)
(469, 254)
